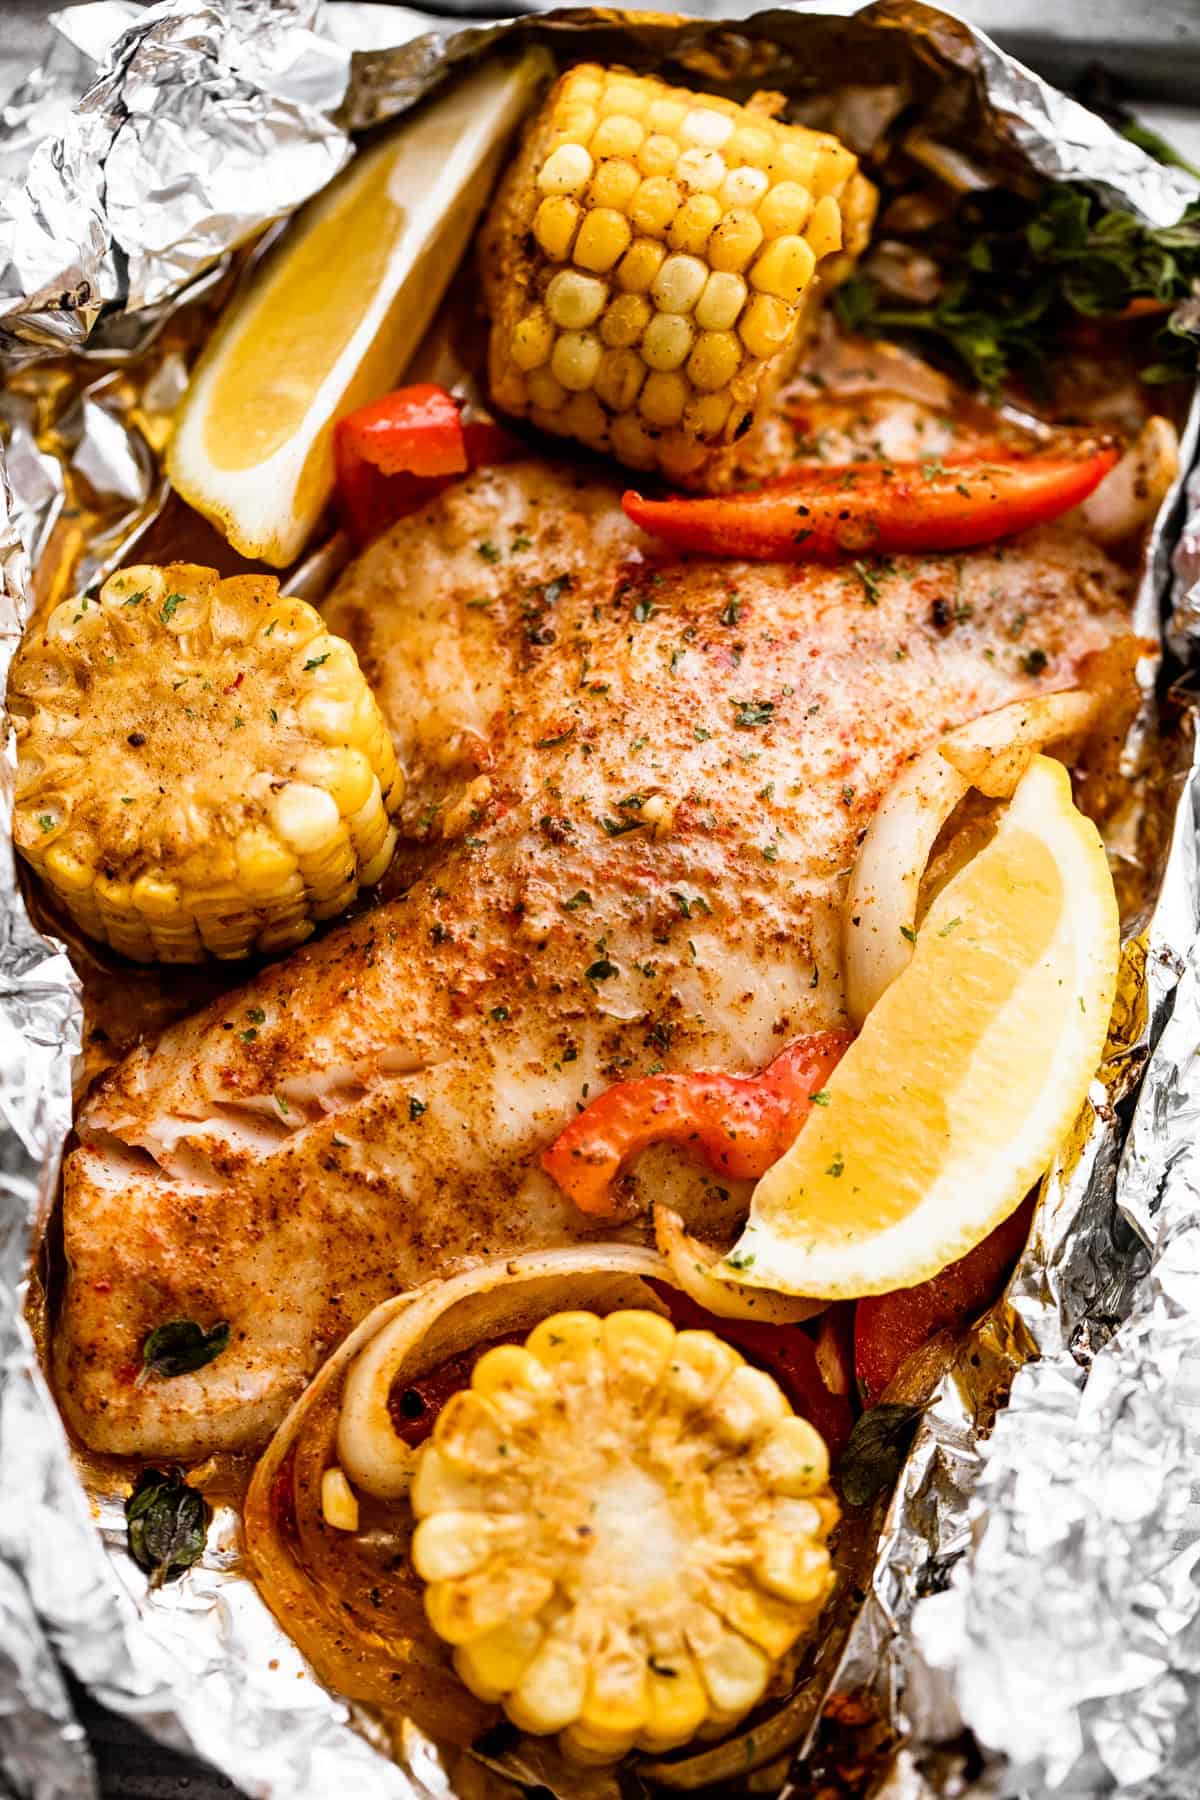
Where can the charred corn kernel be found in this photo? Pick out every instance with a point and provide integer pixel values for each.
(655, 204)
(619, 379)
(615, 183)
(825, 227)
(617, 135)
(766, 325)
(575, 301)
(663, 398)
(626, 320)
(656, 154)
(715, 360)
(735, 241)
(651, 190)
(667, 341)
(229, 776)
(339, 1504)
(678, 284)
(693, 223)
(554, 226)
(602, 240)
(603, 1537)
(532, 341)
(743, 187)
(639, 265)
(567, 171)
(575, 359)
(786, 209)
(720, 303)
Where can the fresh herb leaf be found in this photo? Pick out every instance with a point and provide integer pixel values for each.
(618, 827)
(601, 970)
(181, 1346)
(314, 662)
(489, 552)
(581, 898)
(1034, 661)
(552, 743)
(167, 1523)
(171, 605)
(748, 714)
(415, 1107)
(877, 1448)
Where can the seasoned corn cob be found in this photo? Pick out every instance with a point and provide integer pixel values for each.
(623, 1530)
(202, 769)
(647, 263)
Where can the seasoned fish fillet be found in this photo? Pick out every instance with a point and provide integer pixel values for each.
(635, 792)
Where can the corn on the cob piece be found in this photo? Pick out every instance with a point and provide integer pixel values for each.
(623, 1529)
(202, 768)
(647, 265)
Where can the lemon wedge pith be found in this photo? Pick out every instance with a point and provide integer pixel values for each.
(335, 313)
(968, 1072)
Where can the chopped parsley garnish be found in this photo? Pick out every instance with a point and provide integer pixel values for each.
(171, 605)
(415, 1107)
(552, 743)
(731, 612)
(1034, 661)
(489, 552)
(618, 827)
(582, 898)
(601, 970)
(749, 714)
(314, 662)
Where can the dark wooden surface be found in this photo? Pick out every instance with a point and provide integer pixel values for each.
(1157, 46)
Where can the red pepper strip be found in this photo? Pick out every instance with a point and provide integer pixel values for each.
(784, 1351)
(395, 455)
(740, 1126)
(889, 1327)
(414, 1409)
(816, 511)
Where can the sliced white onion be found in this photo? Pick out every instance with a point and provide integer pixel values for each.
(1131, 494)
(990, 753)
(690, 1261)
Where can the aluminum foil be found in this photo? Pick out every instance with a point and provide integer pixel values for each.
(1032, 1621)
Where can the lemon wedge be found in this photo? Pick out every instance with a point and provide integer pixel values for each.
(968, 1072)
(335, 313)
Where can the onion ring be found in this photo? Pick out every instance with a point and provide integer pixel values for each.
(690, 1260)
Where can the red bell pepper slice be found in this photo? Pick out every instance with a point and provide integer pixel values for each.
(889, 1327)
(819, 511)
(740, 1126)
(397, 453)
(784, 1351)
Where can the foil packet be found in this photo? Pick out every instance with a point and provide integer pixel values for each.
(1030, 1618)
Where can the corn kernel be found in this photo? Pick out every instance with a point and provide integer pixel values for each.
(339, 1504)
(735, 241)
(784, 269)
(628, 97)
(575, 126)
(825, 227)
(705, 416)
(617, 135)
(657, 154)
(632, 442)
(706, 128)
(679, 284)
(746, 1405)
(554, 225)
(665, 115)
(566, 171)
(614, 184)
(700, 171)
(493, 1665)
(785, 210)
(638, 1345)
(603, 239)
(586, 83)
(677, 1703)
(667, 341)
(626, 320)
(306, 817)
(692, 224)
(791, 1568)
(585, 418)
(575, 301)
(655, 205)
(575, 359)
(619, 379)
(715, 360)
(663, 397)
(532, 341)
(743, 187)
(722, 300)
(155, 898)
(794, 159)
(766, 325)
(639, 265)
(750, 144)
(834, 167)
(546, 392)
(550, 1693)
(793, 1458)
(734, 1672)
